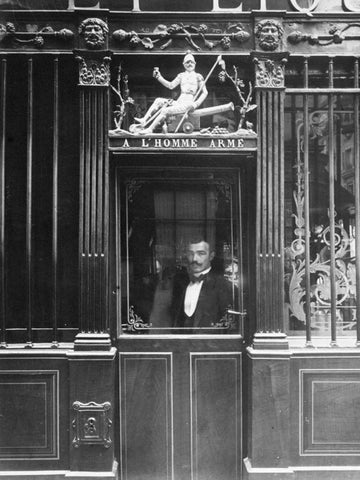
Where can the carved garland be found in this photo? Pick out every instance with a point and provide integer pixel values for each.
(163, 36)
(336, 35)
(33, 36)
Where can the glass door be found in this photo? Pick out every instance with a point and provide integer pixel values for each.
(181, 293)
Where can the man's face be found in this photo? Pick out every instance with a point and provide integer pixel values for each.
(189, 66)
(199, 257)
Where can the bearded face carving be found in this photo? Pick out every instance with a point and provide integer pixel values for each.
(94, 31)
(269, 34)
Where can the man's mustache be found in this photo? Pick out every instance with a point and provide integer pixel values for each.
(195, 263)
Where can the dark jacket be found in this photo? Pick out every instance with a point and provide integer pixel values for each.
(214, 300)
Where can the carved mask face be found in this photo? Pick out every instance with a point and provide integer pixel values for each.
(94, 35)
(269, 37)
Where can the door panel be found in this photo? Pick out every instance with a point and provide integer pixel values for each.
(146, 415)
(181, 410)
(216, 415)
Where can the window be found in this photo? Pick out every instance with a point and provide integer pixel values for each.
(322, 210)
(167, 220)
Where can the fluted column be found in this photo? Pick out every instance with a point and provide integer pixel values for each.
(269, 75)
(94, 82)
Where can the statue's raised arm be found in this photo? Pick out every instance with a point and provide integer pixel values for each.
(192, 94)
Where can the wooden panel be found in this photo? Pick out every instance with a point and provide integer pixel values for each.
(146, 416)
(29, 432)
(329, 412)
(216, 416)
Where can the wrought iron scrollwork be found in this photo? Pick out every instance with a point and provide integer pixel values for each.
(319, 266)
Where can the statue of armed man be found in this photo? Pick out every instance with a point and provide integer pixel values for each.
(192, 86)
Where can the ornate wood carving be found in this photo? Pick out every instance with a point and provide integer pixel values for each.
(163, 36)
(92, 424)
(94, 77)
(269, 34)
(95, 32)
(336, 35)
(269, 72)
(94, 71)
(34, 36)
(269, 76)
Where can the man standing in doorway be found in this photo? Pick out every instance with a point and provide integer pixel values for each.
(202, 297)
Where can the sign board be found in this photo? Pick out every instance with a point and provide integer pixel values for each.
(183, 143)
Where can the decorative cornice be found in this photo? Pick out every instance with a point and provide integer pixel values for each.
(94, 70)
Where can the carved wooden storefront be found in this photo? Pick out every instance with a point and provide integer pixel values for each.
(145, 144)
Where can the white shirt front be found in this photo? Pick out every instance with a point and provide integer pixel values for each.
(192, 294)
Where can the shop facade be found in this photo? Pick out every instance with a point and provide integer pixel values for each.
(107, 176)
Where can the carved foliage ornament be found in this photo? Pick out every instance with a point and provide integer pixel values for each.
(269, 34)
(94, 31)
(32, 36)
(269, 73)
(163, 36)
(92, 424)
(335, 35)
(94, 72)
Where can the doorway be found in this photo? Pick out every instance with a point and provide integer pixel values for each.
(180, 383)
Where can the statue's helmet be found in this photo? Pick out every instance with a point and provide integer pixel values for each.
(189, 57)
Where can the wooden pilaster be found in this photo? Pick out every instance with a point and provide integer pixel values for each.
(94, 82)
(269, 75)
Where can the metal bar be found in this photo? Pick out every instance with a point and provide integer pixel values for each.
(332, 204)
(357, 196)
(322, 90)
(307, 211)
(55, 202)
(29, 142)
(2, 202)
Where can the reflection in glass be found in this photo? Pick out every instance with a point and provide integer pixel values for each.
(176, 230)
(321, 152)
